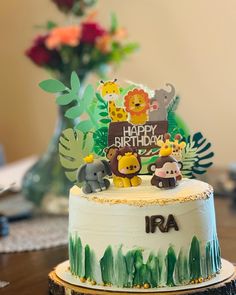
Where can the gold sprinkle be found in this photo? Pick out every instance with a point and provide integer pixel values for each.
(200, 280)
(82, 280)
(138, 286)
(141, 203)
(93, 282)
(146, 286)
(192, 282)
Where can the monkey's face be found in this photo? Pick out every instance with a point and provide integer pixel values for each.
(110, 154)
(168, 170)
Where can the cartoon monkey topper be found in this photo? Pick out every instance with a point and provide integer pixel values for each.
(125, 166)
(110, 151)
(166, 169)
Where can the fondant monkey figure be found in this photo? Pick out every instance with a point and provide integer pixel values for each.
(166, 172)
(166, 169)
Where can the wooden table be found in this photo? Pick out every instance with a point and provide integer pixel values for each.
(27, 272)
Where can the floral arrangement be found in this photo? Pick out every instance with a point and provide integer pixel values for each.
(82, 46)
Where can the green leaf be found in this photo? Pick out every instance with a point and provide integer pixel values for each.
(88, 94)
(103, 114)
(64, 99)
(130, 48)
(114, 23)
(50, 25)
(105, 121)
(52, 86)
(72, 149)
(100, 140)
(74, 82)
(74, 112)
(102, 107)
(84, 126)
(98, 95)
(71, 175)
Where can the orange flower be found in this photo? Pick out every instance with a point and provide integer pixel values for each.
(63, 36)
(119, 34)
(103, 43)
(91, 17)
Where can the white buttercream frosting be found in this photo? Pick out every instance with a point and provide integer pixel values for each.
(116, 217)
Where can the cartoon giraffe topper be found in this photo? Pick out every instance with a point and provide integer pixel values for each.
(173, 148)
(178, 147)
(110, 92)
(166, 147)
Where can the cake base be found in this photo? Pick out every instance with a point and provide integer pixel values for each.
(223, 283)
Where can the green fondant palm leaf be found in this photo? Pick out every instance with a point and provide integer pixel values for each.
(107, 266)
(72, 150)
(195, 259)
(196, 157)
(170, 266)
(100, 138)
(121, 270)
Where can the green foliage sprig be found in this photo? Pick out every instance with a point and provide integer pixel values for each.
(71, 97)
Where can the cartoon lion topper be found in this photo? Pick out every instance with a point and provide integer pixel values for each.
(137, 105)
(125, 166)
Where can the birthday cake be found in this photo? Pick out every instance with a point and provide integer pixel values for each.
(137, 217)
(144, 237)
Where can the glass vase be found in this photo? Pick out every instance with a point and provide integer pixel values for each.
(45, 183)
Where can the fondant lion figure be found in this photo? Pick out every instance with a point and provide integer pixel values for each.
(137, 105)
(125, 166)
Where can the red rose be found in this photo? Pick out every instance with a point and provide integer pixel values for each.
(90, 32)
(64, 4)
(38, 53)
(41, 55)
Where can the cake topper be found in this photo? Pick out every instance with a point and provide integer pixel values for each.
(92, 175)
(110, 92)
(160, 103)
(133, 116)
(178, 147)
(137, 105)
(125, 166)
(166, 169)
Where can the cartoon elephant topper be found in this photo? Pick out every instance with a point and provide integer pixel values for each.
(166, 169)
(92, 175)
(162, 99)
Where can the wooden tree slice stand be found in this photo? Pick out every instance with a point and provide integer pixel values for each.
(60, 287)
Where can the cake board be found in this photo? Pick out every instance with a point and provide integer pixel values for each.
(222, 284)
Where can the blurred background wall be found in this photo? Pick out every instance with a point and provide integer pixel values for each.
(191, 44)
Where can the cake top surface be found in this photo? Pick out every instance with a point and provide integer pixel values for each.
(145, 194)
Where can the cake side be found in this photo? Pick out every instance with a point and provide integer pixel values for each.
(145, 242)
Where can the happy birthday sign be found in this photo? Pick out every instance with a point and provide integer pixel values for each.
(143, 136)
